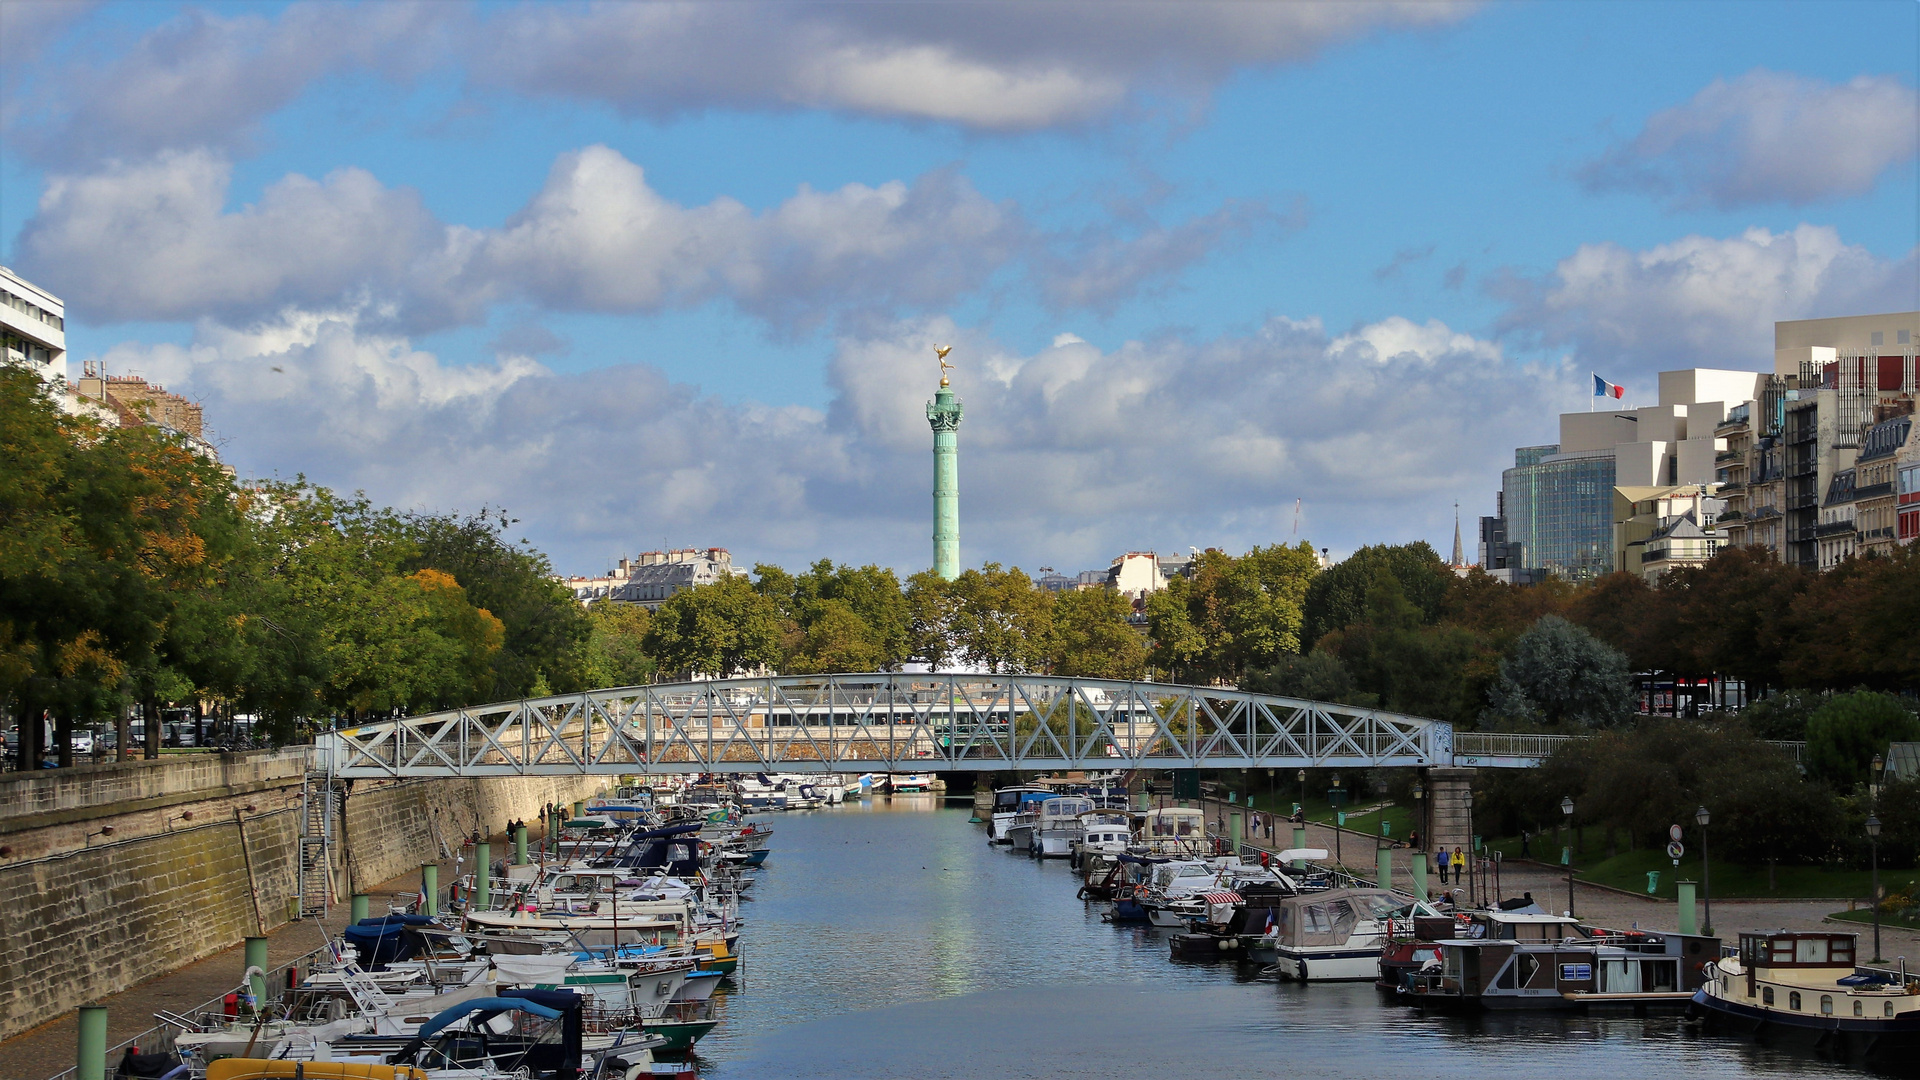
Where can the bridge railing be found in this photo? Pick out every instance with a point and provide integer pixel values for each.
(1498, 748)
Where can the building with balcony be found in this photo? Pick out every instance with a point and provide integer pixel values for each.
(1836, 537)
(1656, 529)
(651, 578)
(1906, 489)
(1876, 497)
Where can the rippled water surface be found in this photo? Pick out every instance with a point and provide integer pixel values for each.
(888, 940)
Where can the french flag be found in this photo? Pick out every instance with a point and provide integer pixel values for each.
(1603, 388)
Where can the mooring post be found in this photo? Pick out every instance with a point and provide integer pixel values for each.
(1689, 919)
(1383, 861)
(579, 807)
(360, 905)
(1236, 831)
(430, 889)
(482, 877)
(91, 1064)
(520, 846)
(256, 954)
(1418, 865)
(1300, 841)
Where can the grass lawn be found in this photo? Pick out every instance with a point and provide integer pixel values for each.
(1865, 917)
(1629, 870)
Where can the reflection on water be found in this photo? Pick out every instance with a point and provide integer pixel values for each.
(887, 939)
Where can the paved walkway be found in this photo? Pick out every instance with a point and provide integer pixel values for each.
(51, 1047)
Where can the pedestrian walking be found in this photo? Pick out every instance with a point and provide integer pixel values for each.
(1525, 852)
(1440, 863)
(1459, 863)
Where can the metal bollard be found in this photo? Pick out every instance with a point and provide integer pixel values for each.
(1689, 919)
(256, 954)
(520, 846)
(482, 878)
(360, 905)
(91, 1062)
(430, 887)
(1383, 859)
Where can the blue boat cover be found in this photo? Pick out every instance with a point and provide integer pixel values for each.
(490, 1006)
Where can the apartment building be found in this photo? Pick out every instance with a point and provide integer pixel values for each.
(1876, 496)
(652, 577)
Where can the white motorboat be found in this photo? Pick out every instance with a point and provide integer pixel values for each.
(1102, 832)
(1058, 827)
(1178, 832)
(1335, 934)
(910, 783)
(1009, 804)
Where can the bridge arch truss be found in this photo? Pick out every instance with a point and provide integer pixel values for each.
(884, 722)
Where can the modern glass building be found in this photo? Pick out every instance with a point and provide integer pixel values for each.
(1559, 510)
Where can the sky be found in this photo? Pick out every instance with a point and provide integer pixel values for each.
(670, 275)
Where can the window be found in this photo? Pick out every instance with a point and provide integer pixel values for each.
(1793, 1000)
(1766, 995)
(1810, 951)
(1826, 1004)
(1888, 1006)
(1859, 1008)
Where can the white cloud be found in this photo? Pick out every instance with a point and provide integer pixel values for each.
(1002, 67)
(155, 240)
(202, 81)
(1704, 301)
(1768, 136)
(1068, 454)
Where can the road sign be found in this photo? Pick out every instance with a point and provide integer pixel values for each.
(1676, 849)
(1674, 833)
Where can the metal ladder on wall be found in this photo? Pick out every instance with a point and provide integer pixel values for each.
(316, 847)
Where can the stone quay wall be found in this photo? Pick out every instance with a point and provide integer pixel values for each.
(113, 874)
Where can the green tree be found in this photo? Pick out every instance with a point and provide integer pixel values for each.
(1092, 638)
(836, 639)
(1781, 716)
(1337, 596)
(1408, 666)
(1318, 676)
(1000, 621)
(932, 605)
(719, 629)
(546, 629)
(1233, 614)
(616, 650)
(1558, 674)
(1845, 732)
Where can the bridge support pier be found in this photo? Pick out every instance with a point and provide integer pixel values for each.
(1451, 823)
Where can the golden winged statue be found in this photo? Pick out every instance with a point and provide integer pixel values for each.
(940, 353)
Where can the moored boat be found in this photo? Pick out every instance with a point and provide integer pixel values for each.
(1806, 988)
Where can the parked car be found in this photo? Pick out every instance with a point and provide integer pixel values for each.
(81, 742)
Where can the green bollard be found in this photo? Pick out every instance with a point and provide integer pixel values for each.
(1689, 919)
(579, 807)
(360, 905)
(430, 885)
(91, 1064)
(257, 958)
(482, 878)
(1236, 831)
(1299, 841)
(1419, 867)
(1383, 860)
(520, 846)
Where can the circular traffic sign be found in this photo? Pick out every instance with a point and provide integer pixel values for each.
(1673, 833)
(1676, 849)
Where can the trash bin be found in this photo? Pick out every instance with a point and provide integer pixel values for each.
(1653, 882)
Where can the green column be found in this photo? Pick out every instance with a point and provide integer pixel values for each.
(1689, 919)
(257, 958)
(430, 884)
(520, 846)
(92, 1058)
(482, 877)
(1236, 831)
(943, 415)
(1418, 865)
(1299, 841)
(579, 807)
(360, 904)
(1383, 863)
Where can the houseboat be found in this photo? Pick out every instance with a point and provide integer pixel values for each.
(1059, 827)
(1334, 934)
(1805, 987)
(1504, 960)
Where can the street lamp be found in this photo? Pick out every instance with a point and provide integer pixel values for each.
(1706, 870)
(1566, 853)
(1873, 778)
(1303, 795)
(1466, 800)
(1338, 823)
(1873, 841)
(1420, 793)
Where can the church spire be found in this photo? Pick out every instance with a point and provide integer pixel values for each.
(1459, 553)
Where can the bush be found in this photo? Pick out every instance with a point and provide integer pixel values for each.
(1846, 732)
(1783, 716)
(1557, 673)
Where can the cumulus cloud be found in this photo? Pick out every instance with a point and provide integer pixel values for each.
(204, 81)
(1703, 301)
(991, 66)
(1068, 454)
(1768, 136)
(154, 240)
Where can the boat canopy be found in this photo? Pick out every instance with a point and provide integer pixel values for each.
(490, 1006)
(1066, 806)
(1330, 917)
(1176, 821)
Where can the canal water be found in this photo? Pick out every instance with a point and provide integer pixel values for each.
(887, 939)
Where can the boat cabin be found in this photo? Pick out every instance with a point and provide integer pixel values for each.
(1063, 812)
(1173, 830)
(1810, 973)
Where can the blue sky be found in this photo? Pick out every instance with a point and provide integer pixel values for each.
(644, 273)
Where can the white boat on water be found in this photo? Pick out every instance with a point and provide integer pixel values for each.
(1058, 827)
(910, 783)
(1334, 934)
(1178, 832)
(1010, 803)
